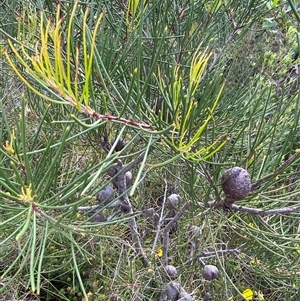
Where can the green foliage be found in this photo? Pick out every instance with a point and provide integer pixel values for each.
(193, 88)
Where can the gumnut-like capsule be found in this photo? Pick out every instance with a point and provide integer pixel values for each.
(173, 201)
(128, 178)
(172, 290)
(99, 218)
(210, 272)
(171, 271)
(236, 184)
(120, 144)
(105, 195)
(112, 171)
(148, 212)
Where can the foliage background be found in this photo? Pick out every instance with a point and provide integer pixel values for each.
(142, 82)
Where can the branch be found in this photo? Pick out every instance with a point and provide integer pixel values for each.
(255, 211)
(161, 218)
(87, 208)
(214, 254)
(220, 252)
(126, 207)
(250, 210)
(169, 226)
(114, 204)
(134, 163)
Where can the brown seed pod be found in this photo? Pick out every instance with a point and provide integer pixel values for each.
(172, 290)
(99, 218)
(236, 184)
(106, 195)
(171, 271)
(210, 272)
(173, 201)
(128, 178)
(120, 144)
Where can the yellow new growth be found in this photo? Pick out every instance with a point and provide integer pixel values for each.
(184, 137)
(198, 65)
(132, 9)
(9, 144)
(51, 63)
(26, 195)
(132, 6)
(177, 87)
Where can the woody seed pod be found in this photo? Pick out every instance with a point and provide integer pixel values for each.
(236, 184)
(171, 271)
(173, 201)
(128, 178)
(210, 272)
(172, 290)
(106, 195)
(120, 144)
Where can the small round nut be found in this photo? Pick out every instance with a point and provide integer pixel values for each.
(173, 201)
(106, 195)
(128, 178)
(172, 290)
(112, 171)
(120, 144)
(99, 218)
(206, 296)
(236, 184)
(171, 271)
(210, 272)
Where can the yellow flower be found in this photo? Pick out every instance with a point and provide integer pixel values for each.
(251, 225)
(159, 253)
(248, 294)
(255, 261)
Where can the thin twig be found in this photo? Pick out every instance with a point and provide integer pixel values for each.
(218, 56)
(161, 219)
(266, 224)
(167, 229)
(114, 204)
(255, 211)
(87, 208)
(220, 252)
(125, 205)
(122, 190)
(210, 180)
(95, 115)
(285, 164)
(195, 233)
(134, 163)
(202, 255)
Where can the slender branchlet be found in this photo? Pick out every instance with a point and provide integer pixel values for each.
(167, 229)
